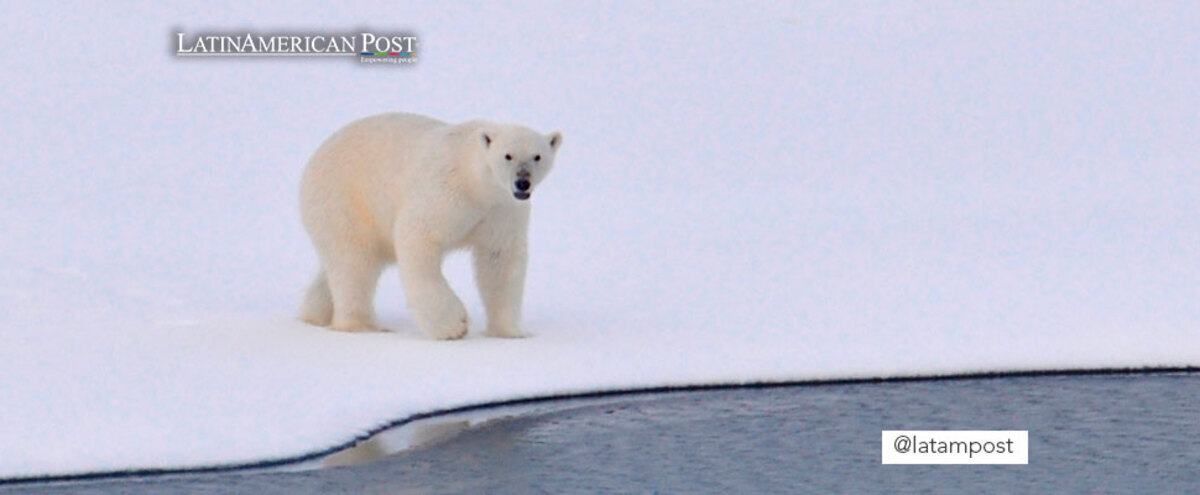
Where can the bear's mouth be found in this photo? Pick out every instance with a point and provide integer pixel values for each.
(521, 195)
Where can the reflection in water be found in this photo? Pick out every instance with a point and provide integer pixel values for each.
(361, 453)
(413, 435)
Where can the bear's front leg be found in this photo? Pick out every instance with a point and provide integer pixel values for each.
(500, 273)
(436, 309)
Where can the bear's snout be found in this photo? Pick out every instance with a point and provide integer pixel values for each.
(522, 185)
(522, 195)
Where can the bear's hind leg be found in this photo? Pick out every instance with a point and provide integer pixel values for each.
(317, 307)
(352, 282)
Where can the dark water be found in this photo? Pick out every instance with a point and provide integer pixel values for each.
(1087, 434)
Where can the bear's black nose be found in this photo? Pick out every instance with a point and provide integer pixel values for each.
(522, 185)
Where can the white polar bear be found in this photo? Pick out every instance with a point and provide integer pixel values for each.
(408, 189)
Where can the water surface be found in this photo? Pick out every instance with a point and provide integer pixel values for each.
(1136, 433)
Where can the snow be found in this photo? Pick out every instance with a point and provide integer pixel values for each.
(745, 193)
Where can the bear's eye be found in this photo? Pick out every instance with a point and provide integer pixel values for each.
(537, 158)
(508, 157)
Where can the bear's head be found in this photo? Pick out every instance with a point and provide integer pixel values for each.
(517, 157)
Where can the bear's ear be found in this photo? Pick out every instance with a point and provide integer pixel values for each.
(555, 140)
(487, 140)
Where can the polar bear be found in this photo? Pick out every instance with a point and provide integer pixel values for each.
(407, 189)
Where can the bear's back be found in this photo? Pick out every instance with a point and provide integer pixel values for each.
(358, 176)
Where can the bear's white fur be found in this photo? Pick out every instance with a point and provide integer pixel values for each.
(407, 189)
